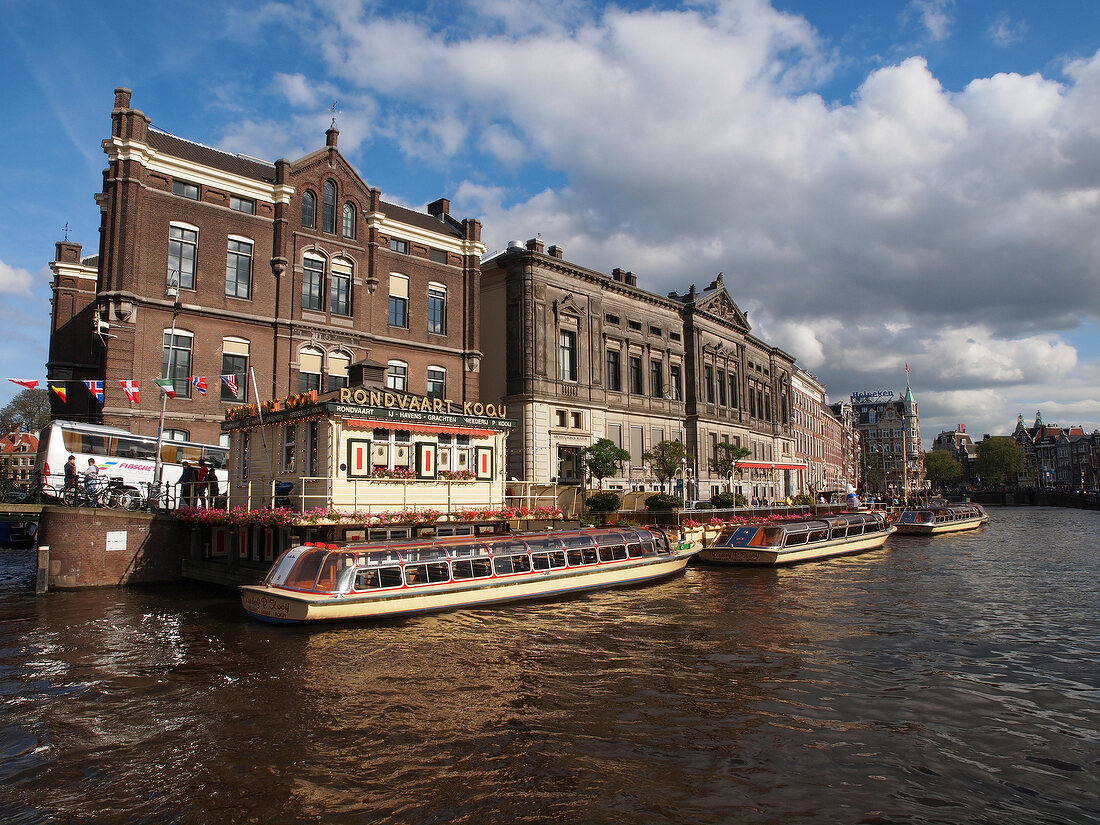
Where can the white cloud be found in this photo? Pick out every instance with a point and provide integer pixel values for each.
(935, 16)
(1005, 32)
(15, 281)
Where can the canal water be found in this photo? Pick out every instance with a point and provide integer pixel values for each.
(946, 680)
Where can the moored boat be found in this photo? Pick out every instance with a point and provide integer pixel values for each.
(790, 542)
(372, 581)
(948, 518)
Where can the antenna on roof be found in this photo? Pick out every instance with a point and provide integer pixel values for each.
(66, 230)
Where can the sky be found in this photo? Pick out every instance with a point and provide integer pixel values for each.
(881, 183)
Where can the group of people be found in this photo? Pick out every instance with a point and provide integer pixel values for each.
(89, 475)
(198, 486)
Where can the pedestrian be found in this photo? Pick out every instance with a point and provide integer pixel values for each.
(212, 486)
(201, 483)
(187, 485)
(70, 473)
(90, 475)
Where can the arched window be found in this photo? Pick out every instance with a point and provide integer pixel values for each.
(339, 297)
(313, 282)
(309, 210)
(397, 375)
(338, 363)
(309, 369)
(328, 208)
(437, 382)
(349, 220)
(399, 300)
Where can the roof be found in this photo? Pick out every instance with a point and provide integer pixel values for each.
(208, 156)
(11, 442)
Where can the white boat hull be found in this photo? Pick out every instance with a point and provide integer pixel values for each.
(776, 556)
(273, 604)
(945, 527)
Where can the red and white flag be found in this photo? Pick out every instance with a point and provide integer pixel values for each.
(29, 383)
(131, 390)
(199, 383)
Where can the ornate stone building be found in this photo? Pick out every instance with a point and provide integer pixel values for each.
(580, 355)
(892, 462)
(213, 264)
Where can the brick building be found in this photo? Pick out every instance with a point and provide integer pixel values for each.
(213, 264)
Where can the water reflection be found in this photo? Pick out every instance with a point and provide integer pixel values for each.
(930, 681)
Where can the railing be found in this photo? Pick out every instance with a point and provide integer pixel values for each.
(307, 493)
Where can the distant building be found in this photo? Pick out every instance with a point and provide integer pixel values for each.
(890, 433)
(961, 447)
(17, 452)
(1047, 453)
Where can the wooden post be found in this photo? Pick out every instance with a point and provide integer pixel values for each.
(43, 577)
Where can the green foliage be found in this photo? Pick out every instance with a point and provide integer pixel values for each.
(942, 468)
(29, 410)
(1000, 460)
(604, 502)
(663, 501)
(803, 498)
(665, 459)
(724, 500)
(725, 464)
(603, 458)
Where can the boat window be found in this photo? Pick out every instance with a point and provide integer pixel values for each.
(578, 541)
(547, 543)
(304, 573)
(612, 552)
(772, 536)
(819, 533)
(515, 563)
(377, 578)
(422, 554)
(578, 556)
(610, 538)
(638, 549)
(796, 538)
(428, 573)
(548, 561)
(279, 572)
(389, 555)
(465, 551)
(480, 568)
(855, 529)
(506, 546)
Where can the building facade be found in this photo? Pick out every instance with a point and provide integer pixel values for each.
(276, 275)
(17, 452)
(889, 428)
(582, 355)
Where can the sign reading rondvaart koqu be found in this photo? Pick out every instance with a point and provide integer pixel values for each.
(872, 396)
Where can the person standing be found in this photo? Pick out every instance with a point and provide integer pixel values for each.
(187, 485)
(202, 480)
(70, 473)
(212, 486)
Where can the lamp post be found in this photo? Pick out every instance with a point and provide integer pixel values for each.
(171, 291)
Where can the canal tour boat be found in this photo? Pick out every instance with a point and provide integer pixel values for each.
(948, 518)
(790, 542)
(314, 582)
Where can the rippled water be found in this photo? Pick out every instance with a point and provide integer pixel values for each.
(947, 680)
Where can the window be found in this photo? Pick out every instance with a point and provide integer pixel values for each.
(656, 331)
(636, 326)
(338, 363)
(656, 379)
(611, 319)
(172, 434)
(290, 437)
(238, 268)
(328, 207)
(577, 419)
(313, 282)
(733, 389)
(437, 382)
(708, 382)
(636, 375)
(614, 371)
(722, 388)
(309, 210)
(438, 256)
(561, 416)
(183, 243)
(235, 363)
(674, 336)
(398, 245)
(399, 301)
(309, 369)
(674, 382)
(348, 224)
(437, 308)
(176, 362)
(397, 375)
(186, 190)
(567, 354)
(242, 205)
(339, 298)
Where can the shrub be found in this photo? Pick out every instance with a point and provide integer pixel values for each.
(604, 502)
(663, 501)
(803, 498)
(724, 500)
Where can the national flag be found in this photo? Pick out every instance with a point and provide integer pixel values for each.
(131, 390)
(200, 383)
(96, 389)
(29, 383)
(231, 382)
(59, 392)
(167, 385)
(906, 367)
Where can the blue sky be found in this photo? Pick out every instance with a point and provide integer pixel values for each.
(881, 183)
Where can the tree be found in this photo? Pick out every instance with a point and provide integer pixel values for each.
(942, 468)
(726, 459)
(1000, 459)
(603, 458)
(29, 410)
(666, 459)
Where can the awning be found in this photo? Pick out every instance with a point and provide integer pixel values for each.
(367, 424)
(764, 465)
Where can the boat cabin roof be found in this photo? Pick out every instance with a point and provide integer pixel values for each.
(801, 531)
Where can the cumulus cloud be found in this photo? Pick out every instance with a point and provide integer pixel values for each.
(955, 230)
(15, 281)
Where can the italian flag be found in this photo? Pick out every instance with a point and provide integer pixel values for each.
(166, 385)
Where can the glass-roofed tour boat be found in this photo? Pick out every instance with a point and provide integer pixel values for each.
(946, 518)
(371, 581)
(808, 539)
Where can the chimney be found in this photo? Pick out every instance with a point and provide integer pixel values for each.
(440, 208)
(122, 97)
(331, 135)
(616, 274)
(630, 279)
(556, 252)
(535, 245)
(68, 252)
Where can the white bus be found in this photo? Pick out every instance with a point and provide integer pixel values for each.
(124, 459)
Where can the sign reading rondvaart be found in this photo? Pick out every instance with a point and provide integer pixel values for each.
(872, 396)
